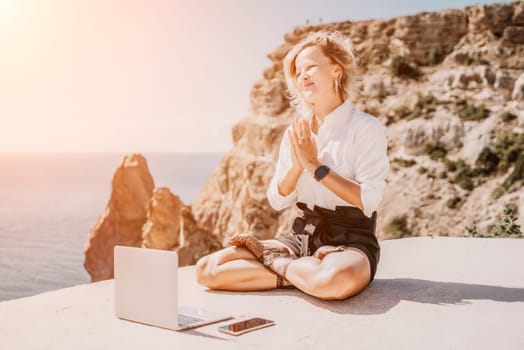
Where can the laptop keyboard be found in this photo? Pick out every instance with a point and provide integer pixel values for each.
(185, 320)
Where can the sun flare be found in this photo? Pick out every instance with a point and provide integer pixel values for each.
(9, 9)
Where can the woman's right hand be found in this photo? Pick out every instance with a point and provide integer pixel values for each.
(288, 183)
(293, 137)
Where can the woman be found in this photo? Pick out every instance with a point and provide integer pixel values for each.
(333, 164)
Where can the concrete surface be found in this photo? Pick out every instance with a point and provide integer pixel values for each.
(429, 293)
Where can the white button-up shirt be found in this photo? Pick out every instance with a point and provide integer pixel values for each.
(350, 142)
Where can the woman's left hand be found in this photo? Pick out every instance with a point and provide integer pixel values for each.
(304, 145)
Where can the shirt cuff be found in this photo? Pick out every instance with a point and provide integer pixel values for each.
(278, 201)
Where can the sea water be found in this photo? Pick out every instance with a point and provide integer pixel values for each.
(50, 202)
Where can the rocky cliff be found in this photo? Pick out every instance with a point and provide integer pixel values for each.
(449, 86)
(122, 221)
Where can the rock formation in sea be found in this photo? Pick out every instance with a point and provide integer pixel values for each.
(140, 215)
(170, 225)
(448, 85)
(122, 221)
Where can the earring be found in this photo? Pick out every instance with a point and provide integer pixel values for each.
(336, 86)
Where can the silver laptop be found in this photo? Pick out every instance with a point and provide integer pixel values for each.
(146, 290)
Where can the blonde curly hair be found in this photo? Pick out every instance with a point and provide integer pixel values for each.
(339, 49)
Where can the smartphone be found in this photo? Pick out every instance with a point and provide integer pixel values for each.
(245, 326)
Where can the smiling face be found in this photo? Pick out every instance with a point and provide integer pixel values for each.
(315, 75)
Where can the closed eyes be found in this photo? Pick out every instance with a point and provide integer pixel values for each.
(308, 69)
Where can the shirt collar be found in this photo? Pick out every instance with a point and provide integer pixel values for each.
(337, 117)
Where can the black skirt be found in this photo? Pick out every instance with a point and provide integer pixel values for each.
(345, 226)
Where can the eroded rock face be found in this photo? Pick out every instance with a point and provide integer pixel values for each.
(446, 130)
(377, 87)
(234, 200)
(171, 226)
(164, 220)
(518, 14)
(518, 88)
(463, 78)
(426, 32)
(493, 18)
(197, 240)
(268, 97)
(504, 79)
(122, 221)
(514, 34)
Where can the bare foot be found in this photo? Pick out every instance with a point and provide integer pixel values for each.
(277, 261)
(273, 255)
(250, 242)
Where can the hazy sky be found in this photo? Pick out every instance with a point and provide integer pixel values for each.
(147, 75)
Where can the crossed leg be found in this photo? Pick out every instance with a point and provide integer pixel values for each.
(335, 276)
(235, 269)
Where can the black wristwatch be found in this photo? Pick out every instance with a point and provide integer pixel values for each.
(321, 172)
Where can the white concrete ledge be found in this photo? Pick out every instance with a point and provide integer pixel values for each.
(441, 293)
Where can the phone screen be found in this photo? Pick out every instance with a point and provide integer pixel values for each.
(246, 325)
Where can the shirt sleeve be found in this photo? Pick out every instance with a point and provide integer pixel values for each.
(276, 200)
(372, 164)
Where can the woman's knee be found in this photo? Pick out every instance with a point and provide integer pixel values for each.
(336, 285)
(207, 267)
(204, 270)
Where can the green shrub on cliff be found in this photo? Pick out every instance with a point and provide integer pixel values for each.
(467, 60)
(487, 161)
(508, 147)
(402, 112)
(516, 177)
(435, 150)
(422, 170)
(464, 175)
(517, 174)
(508, 150)
(397, 227)
(473, 112)
(451, 165)
(506, 227)
(406, 163)
(507, 117)
(424, 107)
(454, 202)
(435, 56)
(402, 67)
(501, 155)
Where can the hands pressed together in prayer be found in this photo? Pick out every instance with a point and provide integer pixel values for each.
(304, 155)
(304, 152)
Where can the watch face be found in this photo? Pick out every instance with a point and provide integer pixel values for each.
(321, 172)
